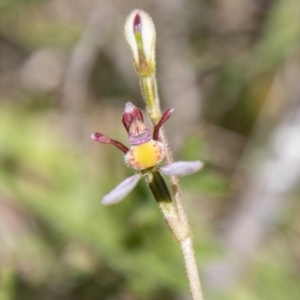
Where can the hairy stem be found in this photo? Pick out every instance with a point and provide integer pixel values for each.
(150, 95)
(161, 194)
(179, 226)
(191, 268)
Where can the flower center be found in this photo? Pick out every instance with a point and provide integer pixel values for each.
(145, 155)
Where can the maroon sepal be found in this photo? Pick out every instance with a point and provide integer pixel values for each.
(103, 139)
(164, 118)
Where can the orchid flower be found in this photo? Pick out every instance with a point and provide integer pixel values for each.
(145, 155)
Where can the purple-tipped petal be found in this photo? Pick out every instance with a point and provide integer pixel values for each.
(182, 168)
(121, 190)
(103, 139)
(166, 115)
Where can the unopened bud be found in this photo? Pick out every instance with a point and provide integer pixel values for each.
(140, 35)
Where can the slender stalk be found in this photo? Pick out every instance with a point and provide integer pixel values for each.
(186, 245)
(181, 230)
(168, 209)
(191, 268)
(164, 200)
(161, 193)
(175, 184)
(149, 90)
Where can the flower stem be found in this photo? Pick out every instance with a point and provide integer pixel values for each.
(191, 268)
(164, 201)
(140, 34)
(161, 194)
(178, 225)
(180, 233)
(150, 95)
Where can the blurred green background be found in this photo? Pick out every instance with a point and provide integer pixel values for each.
(231, 70)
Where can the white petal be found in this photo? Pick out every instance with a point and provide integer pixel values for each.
(129, 34)
(121, 190)
(182, 168)
(148, 35)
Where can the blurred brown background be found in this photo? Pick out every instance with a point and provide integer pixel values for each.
(231, 70)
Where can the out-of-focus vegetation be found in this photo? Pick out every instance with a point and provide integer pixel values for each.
(230, 69)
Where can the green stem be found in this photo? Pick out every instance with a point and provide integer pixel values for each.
(164, 201)
(151, 98)
(181, 233)
(161, 193)
(177, 222)
(150, 95)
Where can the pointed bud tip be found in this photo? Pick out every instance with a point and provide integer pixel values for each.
(167, 114)
(137, 22)
(95, 136)
(101, 138)
(129, 107)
